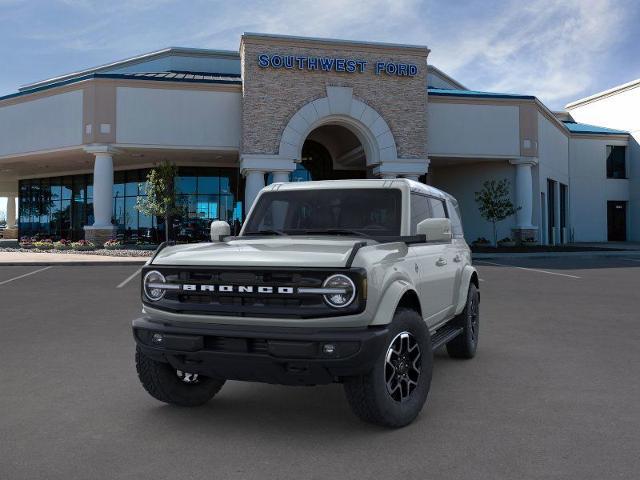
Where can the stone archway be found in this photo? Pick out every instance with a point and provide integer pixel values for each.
(339, 107)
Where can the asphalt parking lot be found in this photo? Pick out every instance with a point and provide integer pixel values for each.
(554, 391)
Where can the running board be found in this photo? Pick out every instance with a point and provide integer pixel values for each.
(444, 335)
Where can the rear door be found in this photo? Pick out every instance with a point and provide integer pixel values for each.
(448, 261)
(434, 269)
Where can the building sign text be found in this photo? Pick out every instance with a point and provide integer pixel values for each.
(332, 64)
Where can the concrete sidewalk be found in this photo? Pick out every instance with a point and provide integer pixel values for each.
(35, 259)
(635, 254)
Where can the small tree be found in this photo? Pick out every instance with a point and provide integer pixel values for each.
(161, 200)
(494, 203)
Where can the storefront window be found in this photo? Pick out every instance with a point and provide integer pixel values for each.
(59, 207)
(205, 194)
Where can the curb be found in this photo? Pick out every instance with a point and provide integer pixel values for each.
(617, 253)
(72, 264)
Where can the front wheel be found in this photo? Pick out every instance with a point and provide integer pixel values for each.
(176, 387)
(393, 393)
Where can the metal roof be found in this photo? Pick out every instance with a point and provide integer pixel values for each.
(444, 92)
(585, 128)
(176, 75)
(187, 77)
(134, 60)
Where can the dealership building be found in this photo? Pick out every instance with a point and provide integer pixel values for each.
(75, 149)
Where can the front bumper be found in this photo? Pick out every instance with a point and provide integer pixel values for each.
(288, 356)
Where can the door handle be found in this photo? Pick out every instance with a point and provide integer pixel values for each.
(441, 262)
(457, 258)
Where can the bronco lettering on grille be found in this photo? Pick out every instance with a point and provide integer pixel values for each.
(236, 289)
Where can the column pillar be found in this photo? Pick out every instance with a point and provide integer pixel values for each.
(253, 167)
(524, 198)
(280, 176)
(253, 184)
(402, 167)
(102, 228)
(11, 211)
(11, 232)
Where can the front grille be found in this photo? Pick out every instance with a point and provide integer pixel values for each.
(254, 304)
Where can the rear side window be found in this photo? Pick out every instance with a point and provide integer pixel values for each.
(456, 218)
(420, 210)
(438, 209)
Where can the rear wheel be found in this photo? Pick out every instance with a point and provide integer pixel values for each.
(465, 344)
(393, 393)
(165, 383)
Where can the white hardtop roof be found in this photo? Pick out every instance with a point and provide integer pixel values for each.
(360, 183)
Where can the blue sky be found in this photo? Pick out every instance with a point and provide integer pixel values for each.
(556, 50)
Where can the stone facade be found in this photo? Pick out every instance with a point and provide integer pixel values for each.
(272, 96)
(99, 236)
(9, 233)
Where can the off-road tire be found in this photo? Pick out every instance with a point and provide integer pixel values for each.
(368, 394)
(161, 381)
(466, 344)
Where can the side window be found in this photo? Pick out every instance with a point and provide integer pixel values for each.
(437, 208)
(419, 210)
(454, 215)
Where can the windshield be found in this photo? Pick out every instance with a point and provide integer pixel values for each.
(363, 212)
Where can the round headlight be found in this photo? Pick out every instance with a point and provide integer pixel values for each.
(344, 291)
(151, 281)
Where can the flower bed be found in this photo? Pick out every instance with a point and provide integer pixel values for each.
(83, 245)
(113, 245)
(62, 245)
(100, 252)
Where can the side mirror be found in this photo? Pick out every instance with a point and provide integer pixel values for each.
(435, 229)
(219, 229)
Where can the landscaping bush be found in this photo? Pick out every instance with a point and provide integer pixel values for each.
(113, 245)
(506, 242)
(43, 244)
(62, 245)
(83, 245)
(481, 241)
(26, 242)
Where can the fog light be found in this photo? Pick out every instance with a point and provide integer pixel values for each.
(157, 338)
(329, 348)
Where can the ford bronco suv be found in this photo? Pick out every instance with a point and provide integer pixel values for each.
(349, 281)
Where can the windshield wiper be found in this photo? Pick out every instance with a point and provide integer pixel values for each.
(338, 231)
(266, 232)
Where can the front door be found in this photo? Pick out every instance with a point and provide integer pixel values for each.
(617, 221)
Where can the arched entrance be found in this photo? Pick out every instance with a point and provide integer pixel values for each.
(331, 152)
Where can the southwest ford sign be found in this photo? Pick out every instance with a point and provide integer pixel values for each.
(334, 64)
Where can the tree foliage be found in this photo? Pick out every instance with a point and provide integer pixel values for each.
(160, 199)
(494, 203)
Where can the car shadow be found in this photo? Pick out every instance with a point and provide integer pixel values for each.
(289, 410)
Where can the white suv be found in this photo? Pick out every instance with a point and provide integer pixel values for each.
(350, 281)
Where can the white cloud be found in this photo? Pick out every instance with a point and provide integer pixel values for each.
(548, 48)
(544, 47)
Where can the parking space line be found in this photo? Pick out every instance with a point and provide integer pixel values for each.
(129, 278)
(25, 275)
(528, 269)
